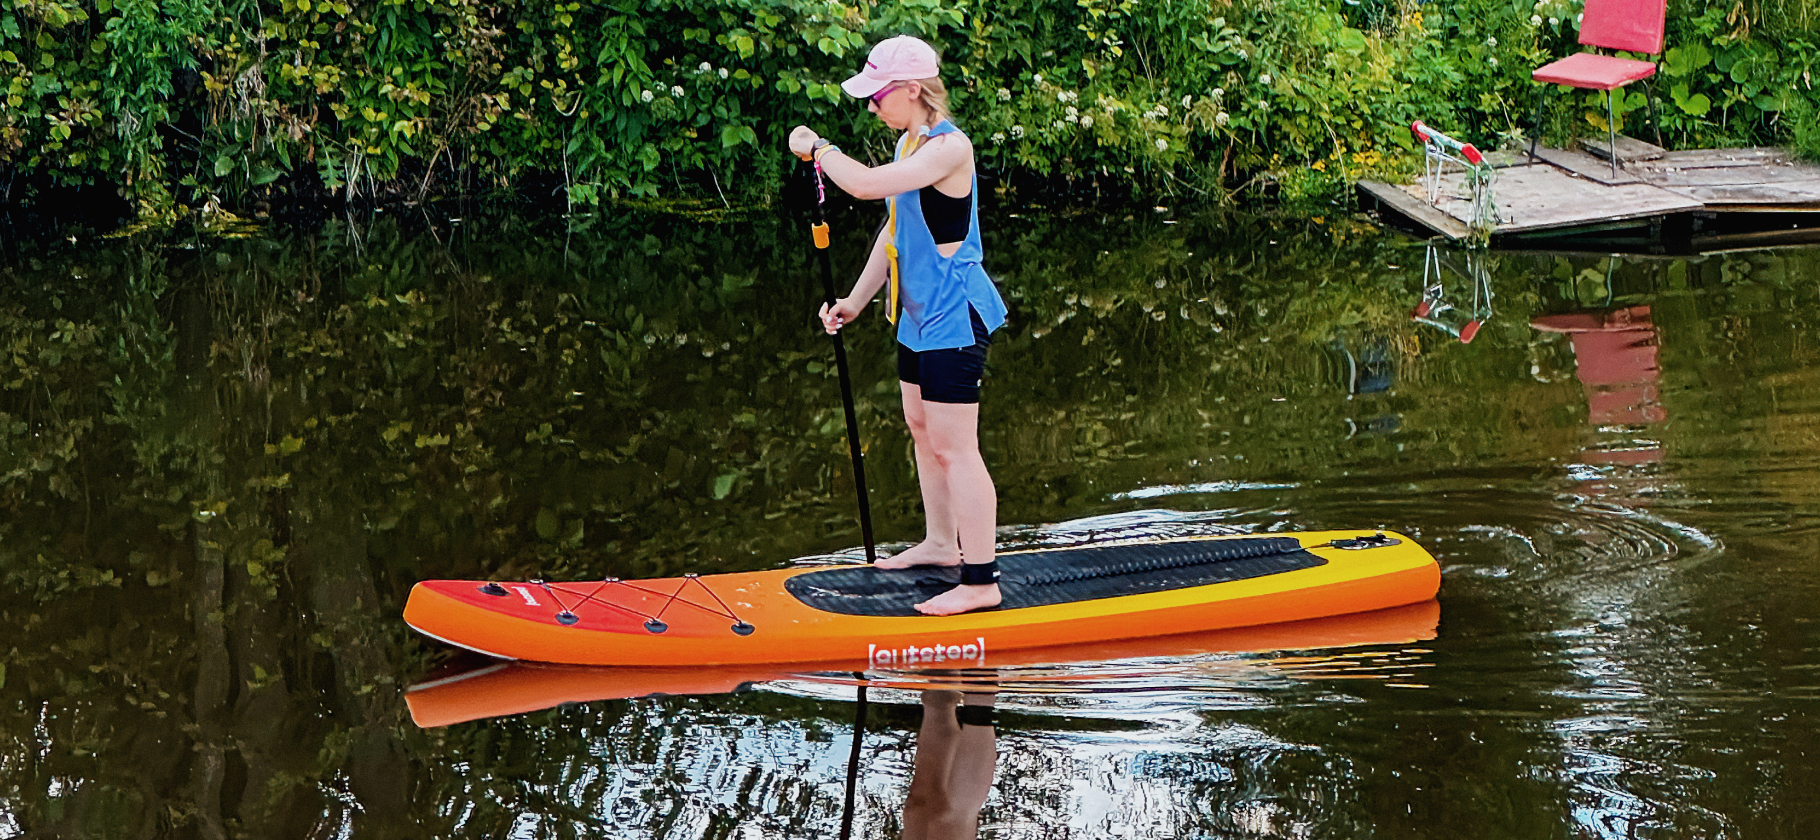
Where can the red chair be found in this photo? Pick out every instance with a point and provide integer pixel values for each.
(1629, 25)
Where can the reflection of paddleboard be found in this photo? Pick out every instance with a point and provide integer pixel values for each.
(509, 688)
(862, 616)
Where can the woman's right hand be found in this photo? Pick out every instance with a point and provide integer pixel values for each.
(802, 141)
(839, 314)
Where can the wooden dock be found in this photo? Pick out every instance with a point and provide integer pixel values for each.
(1702, 199)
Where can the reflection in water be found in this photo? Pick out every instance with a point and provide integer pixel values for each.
(956, 755)
(1097, 723)
(1615, 359)
(222, 465)
(1456, 292)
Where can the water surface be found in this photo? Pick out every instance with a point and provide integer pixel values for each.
(223, 462)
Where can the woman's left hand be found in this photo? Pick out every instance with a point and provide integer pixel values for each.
(802, 141)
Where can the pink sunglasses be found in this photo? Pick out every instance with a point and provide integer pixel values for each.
(879, 98)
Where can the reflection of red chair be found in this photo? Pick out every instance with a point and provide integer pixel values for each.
(1630, 25)
(1615, 360)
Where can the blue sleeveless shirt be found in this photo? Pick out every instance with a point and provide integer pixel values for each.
(937, 291)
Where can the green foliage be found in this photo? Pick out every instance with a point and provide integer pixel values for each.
(229, 103)
(1804, 130)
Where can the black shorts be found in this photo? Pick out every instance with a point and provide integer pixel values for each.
(947, 376)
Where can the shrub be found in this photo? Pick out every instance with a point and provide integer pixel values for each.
(237, 102)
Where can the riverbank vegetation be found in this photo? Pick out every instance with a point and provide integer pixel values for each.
(247, 105)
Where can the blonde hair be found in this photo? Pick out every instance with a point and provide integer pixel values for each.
(935, 98)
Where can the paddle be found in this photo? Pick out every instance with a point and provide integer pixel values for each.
(859, 732)
(820, 232)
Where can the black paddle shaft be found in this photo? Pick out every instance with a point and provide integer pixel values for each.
(846, 388)
(859, 732)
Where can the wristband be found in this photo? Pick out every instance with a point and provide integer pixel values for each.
(822, 149)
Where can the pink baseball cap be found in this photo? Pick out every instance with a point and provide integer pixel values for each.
(898, 59)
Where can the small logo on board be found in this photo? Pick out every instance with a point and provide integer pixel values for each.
(973, 652)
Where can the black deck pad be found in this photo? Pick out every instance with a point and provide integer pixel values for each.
(1059, 576)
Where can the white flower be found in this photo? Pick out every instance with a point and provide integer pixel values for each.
(1219, 92)
(1162, 110)
(1057, 124)
(998, 137)
(1221, 118)
(1017, 131)
(1087, 121)
(1242, 55)
(1491, 60)
(1535, 20)
(706, 67)
(723, 72)
(1492, 41)
(1073, 118)
(1578, 18)
(1037, 79)
(1062, 97)
(1162, 145)
(1004, 95)
(1073, 111)
(1187, 101)
(1264, 79)
(676, 90)
(646, 96)
(1554, 21)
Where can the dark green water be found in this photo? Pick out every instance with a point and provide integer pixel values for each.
(223, 463)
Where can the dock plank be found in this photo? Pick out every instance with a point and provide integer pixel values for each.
(1693, 158)
(1795, 196)
(1629, 149)
(1416, 208)
(1587, 166)
(1731, 176)
(1543, 197)
(1504, 159)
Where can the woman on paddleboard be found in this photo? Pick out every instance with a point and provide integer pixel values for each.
(927, 258)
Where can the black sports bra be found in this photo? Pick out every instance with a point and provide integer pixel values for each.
(949, 218)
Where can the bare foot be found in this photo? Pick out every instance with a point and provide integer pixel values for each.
(961, 599)
(924, 553)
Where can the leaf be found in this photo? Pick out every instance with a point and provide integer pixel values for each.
(286, 446)
(224, 165)
(392, 432)
(1695, 105)
(724, 485)
(731, 136)
(1352, 40)
(547, 523)
(1687, 58)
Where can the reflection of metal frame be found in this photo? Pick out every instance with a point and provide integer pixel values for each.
(1435, 311)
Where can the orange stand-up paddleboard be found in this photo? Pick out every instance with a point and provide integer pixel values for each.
(861, 617)
(509, 688)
